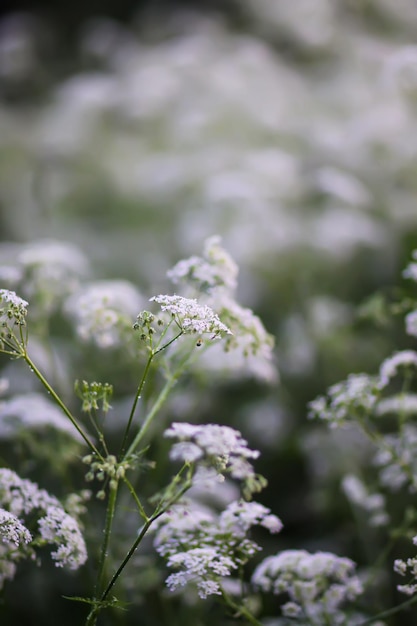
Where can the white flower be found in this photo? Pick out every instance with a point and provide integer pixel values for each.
(215, 269)
(34, 411)
(21, 497)
(102, 311)
(401, 404)
(373, 503)
(217, 446)
(59, 528)
(206, 547)
(358, 393)
(192, 317)
(240, 516)
(12, 530)
(51, 268)
(411, 323)
(390, 366)
(13, 309)
(198, 565)
(411, 269)
(317, 584)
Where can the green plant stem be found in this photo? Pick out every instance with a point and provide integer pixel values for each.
(157, 513)
(111, 507)
(389, 612)
(135, 402)
(140, 388)
(165, 391)
(240, 609)
(60, 403)
(136, 499)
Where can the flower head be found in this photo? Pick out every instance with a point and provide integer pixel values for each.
(191, 317)
(215, 269)
(206, 547)
(317, 584)
(213, 445)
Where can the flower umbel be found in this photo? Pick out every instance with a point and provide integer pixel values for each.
(191, 317)
(220, 447)
(206, 547)
(317, 584)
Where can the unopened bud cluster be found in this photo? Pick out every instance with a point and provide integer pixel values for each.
(108, 468)
(92, 393)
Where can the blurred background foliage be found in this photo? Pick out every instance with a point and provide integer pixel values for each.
(135, 130)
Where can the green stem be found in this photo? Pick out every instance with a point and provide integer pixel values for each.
(60, 403)
(240, 609)
(135, 402)
(170, 383)
(389, 612)
(157, 513)
(111, 507)
(136, 499)
(127, 558)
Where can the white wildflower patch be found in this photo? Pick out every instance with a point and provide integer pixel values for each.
(102, 311)
(20, 499)
(318, 585)
(406, 359)
(32, 411)
(411, 269)
(249, 349)
(12, 530)
(372, 503)
(407, 567)
(191, 317)
(215, 269)
(13, 312)
(200, 565)
(220, 447)
(402, 404)
(60, 529)
(411, 323)
(396, 459)
(206, 547)
(356, 396)
(15, 540)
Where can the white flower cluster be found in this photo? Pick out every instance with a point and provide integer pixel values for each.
(411, 269)
(60, 529)
(14, 538)
(214, 269)
(317, 584)
(248, 345)
(191, 317)
(407, 568)
(212, 445)
(20, 499)
(33, 411)
(372, 503)
(397, 459)
(45, 271)
(13, 311)
(102, 311)
(406, 359)
(399, 404)
(357, 395)
(206, 547)
(411, 323)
